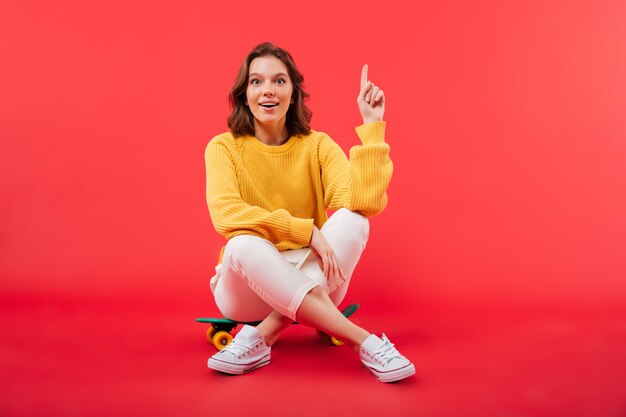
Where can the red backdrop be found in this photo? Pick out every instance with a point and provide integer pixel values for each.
(505, 122)
(506, 213)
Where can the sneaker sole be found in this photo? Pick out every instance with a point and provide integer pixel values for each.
(393, 376)
(229, 368)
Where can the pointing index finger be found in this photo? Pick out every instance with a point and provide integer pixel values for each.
(364, 76)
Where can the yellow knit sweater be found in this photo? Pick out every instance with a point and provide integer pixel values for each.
(279, 192)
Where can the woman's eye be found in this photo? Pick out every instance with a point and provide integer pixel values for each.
(280, 81)
(255, 81)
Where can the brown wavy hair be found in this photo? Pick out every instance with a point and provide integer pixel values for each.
(241, 120)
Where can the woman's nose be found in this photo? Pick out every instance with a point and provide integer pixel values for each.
(269, 91)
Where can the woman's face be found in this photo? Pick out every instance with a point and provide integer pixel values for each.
(269, 90)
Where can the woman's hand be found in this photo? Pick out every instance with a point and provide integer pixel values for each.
(326, 255)
(371, 100)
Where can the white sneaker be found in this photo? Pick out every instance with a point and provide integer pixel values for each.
(382, 359)
(247, 352)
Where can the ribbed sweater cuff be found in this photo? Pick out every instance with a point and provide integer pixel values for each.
(371, 133)
(301, 230)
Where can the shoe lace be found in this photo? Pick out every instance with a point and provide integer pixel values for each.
(240, 350)
(386, 352)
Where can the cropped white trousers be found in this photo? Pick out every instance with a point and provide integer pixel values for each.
(255, 278)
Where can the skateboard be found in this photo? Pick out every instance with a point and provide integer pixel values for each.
(220, 332)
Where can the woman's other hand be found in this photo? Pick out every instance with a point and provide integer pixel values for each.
(326, 255)
(371, 100)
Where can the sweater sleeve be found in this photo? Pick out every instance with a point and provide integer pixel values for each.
(359, 184)
(232, 216)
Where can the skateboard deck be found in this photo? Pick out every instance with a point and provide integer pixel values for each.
(220, 331)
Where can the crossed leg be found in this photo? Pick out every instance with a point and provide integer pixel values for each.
(259, 282)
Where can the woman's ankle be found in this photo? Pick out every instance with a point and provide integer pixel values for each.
(358, 341)
(268, 336)
(272, 326)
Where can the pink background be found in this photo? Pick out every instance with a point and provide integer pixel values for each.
(506, 124)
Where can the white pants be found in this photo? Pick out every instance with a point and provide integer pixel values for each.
(254, 278)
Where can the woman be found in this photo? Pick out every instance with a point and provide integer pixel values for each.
(270, 180)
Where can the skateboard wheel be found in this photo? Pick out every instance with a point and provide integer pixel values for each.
(210, 333)
(222, 339)
(333, 341)
(336, 342)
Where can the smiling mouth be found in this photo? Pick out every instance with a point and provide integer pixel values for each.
(269, 105)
